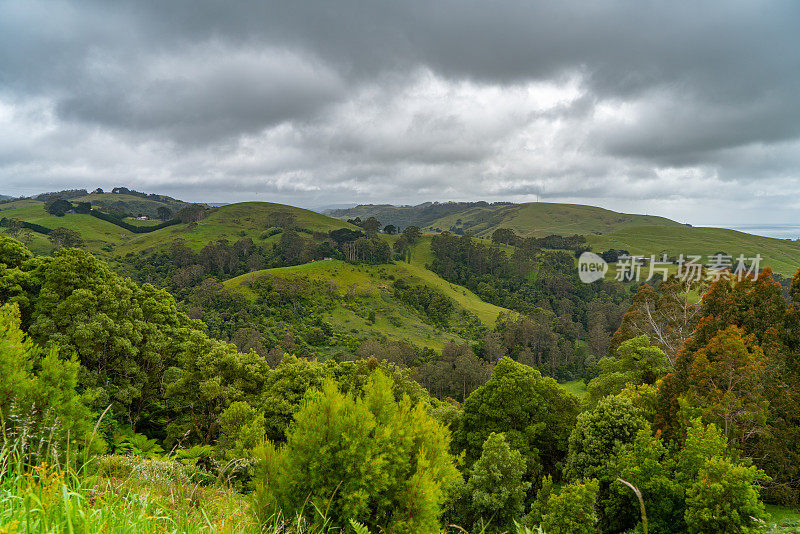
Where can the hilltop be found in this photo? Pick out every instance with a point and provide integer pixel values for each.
(232, 222)
(133, 203)
(536, 219)
(604, 229)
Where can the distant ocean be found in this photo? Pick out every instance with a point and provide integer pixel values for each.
(780, 231)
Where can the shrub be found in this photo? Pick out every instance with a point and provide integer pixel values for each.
(572, 510)
(371, 459)
(723, 499)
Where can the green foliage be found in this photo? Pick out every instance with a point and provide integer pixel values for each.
(372, 459)
(598, 433)
(194, 455)
(13, 253)
(723, 499)
(211, 376)
(127, 442)
(38, 398)
(425, 299)
(242, 428)
(65, 238)
(571, 511)
(647, 464)
(124, 336)
(495, 491)
(58, 206)
(542, 284)
(533, 412)
(636, 362)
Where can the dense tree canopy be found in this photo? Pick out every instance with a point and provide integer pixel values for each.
(535, 414)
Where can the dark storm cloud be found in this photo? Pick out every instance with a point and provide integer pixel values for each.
(379, 100)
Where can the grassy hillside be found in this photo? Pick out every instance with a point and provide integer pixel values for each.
(481, 219)
(230, 222)
(94, 231)
(782, 255)
(132, 203)
(372, 287)
(543, 218)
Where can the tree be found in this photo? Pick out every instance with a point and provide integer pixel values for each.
(164, 213)
(647, 465)
(291, 247)
(724, 499)
(38, 397)
(371, 458)
(83, 207)
(192, 213)
(124, 336)
(636, 363)
(495, 490)
(13, 253)
(209, 377)
(371, 226)
(456, 374)
(282, 219)
(390, 229)
(612, 423)
(667, 314)
(65, 238)
(725, 385)
(505, 236)
(412, 234)
(241, 431)
(14, 226)
(572, 510)
(57, 206)
(534, 413)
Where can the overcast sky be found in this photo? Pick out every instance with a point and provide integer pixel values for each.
(685, 109)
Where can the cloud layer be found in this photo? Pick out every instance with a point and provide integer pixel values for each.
(683, 109)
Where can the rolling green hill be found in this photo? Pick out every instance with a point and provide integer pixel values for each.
(371, 287)
(780, 254)
(604, 229)
(133, 204)
(639, 234)
(481, 219)
(233, 221)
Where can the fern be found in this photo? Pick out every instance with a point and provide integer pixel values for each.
(358, 528)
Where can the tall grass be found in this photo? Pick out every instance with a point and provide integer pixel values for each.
(48, 492)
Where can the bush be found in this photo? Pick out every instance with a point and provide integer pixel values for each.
(495, 491)
(371, 459)
(723, 499)
(572, 510)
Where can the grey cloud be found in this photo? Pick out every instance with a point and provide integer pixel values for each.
(379, 100)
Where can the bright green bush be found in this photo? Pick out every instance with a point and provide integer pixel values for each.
(370, 458)
(495, 491)
(572, 510)
(724, 499)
